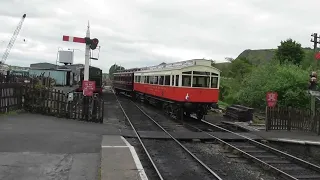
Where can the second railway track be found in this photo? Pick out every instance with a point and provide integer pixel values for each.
(283, 164)
(183, 164)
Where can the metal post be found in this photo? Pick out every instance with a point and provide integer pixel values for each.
(57, 57)
(87, 57)
(86, 76)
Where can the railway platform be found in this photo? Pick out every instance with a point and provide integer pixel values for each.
(294, 137)
(119, 160)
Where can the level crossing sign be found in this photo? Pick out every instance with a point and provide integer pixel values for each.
(88, 87)
(272, 98)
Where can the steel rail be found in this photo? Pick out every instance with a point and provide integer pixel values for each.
(181, 145)
(139, 138)
(296, 159)
(246, 154)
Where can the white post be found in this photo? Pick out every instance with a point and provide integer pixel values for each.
(87, 57)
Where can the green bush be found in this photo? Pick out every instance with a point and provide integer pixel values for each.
(288, 80)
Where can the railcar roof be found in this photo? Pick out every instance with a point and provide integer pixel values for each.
(170, 66)
(179, 66)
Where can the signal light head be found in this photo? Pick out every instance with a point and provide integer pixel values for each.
(94, 43)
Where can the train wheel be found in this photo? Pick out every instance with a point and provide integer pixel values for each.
(199, 116)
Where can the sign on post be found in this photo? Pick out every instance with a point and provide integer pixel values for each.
(317, 56)
(88, 87)
(272, 98)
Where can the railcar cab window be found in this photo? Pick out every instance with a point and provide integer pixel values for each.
(186, 78)
(214, 80)
(201, 79)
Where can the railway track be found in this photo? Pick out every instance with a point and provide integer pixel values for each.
(166, 169)
(285, 165)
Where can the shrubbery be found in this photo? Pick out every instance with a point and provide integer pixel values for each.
(286, 77)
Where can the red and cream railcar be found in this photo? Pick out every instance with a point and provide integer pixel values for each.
(180, 88)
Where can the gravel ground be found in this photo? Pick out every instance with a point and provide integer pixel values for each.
(139, 120)
(310, 154)
(229, 168)
(171, 160)
(164, 121)
(112, 112)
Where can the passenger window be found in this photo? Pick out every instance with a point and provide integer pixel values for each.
(167, 80)
(172, 80)
(186, 81)
(201, 81)
(177, 80)
(214, 82)
(161, 80)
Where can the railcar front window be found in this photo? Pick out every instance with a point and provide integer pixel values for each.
(214, 82)
(201, 81)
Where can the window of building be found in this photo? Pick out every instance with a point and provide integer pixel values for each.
(167, 80)
(186, 81)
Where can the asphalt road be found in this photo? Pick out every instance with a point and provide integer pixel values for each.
(36, 147)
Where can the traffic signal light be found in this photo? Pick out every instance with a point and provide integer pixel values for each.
(93, 43)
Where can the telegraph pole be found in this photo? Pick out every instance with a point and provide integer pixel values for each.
(315, 41)
(313, 80)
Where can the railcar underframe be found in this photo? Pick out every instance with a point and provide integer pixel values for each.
(172, 108)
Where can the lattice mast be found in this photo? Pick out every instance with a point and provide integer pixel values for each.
(13, 39)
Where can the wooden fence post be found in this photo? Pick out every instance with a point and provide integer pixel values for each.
(289, 119)
(267, 119)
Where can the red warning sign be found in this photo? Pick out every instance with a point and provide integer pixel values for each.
(88, 87)
(272, 98)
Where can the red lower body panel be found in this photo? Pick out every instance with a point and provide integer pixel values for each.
(181, 94)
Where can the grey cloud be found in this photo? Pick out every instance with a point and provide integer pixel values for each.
(148, 32)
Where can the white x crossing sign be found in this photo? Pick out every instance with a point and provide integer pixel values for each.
(272, 98)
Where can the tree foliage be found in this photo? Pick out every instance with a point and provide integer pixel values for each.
(288, 80)
(240, 67)
(113, 69)
(290, 51)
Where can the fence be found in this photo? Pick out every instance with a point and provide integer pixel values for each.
(38, 96)
(292, 119)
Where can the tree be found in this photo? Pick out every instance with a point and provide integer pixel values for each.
(113, 69)
(240, 67)
(290, 51)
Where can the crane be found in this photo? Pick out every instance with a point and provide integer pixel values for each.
(11, 42)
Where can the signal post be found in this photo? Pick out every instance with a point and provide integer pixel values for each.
(87, 86)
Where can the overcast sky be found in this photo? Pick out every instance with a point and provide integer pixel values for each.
(136, 33)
